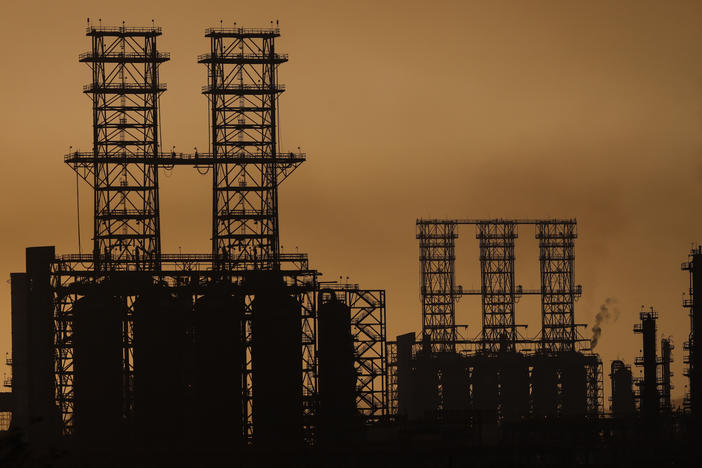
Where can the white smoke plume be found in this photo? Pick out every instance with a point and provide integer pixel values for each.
(602, 317)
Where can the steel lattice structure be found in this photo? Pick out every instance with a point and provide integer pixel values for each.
(437, 281)
(558, 289)
(499, 293)
(243, 90)
(496, 239)
(368, 319)
(123, 170)
(74, 277)
(392, 381)
(594, 390)
(125, 91)
(692, 350)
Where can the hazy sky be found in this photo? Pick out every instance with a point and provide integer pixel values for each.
(406, 109)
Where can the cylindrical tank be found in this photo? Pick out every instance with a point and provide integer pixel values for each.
(338, 416)
(485, 388)
(544, 387)
(218, 360)
(514, 387)
(573, 385)
(455, 385)
(276, 354)
(159, 346)
(623, 404)
(97, 362)
(425, 384)
(405, 384)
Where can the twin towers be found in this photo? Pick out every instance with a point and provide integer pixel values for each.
(247, 165)
(230, 337)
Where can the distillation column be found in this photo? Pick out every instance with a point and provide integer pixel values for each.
(649, 396)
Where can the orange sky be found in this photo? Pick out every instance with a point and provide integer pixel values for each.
(406, 109)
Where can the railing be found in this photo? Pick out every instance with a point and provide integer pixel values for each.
(239, 56)
(126, 212)
(123, 29)
(243, 88)
(127, 55)
(118, 86)
(167, 158)
(248, 31)
(284, 257)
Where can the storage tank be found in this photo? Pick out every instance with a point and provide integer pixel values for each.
(573, 385)
(277, 363)
(338, 415)
(485, 388)
(159, 347)
(97, 363)
(218, 359)
(425, 384)
(623, 404)
(405, 380)
(455, 384)
(544, 383)
(514, 386)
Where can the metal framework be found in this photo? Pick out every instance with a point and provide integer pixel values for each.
(558, 289)
(243, 90)
(125, 92)
(368, 321)
(499, 332)
(693, 367)
(304, 290)
(437, 259)
(594, 381)
(393, 393)
(74, 276)
(498, 291)
(123, 168)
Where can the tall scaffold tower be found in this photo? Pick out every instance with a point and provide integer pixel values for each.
(243, 91)
(496, 240)
(123, 165)
(122, 170)
(247, 168)
(558, 289)
(437, 258)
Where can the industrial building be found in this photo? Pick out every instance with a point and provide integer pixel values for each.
(129, 346)
(499, 376)
(243, 355)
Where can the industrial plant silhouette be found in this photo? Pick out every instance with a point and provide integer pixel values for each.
(129, 356)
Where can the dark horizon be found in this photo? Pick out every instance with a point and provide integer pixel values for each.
(449, 110)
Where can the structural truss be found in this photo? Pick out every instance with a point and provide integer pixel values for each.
(496, 240)
(247, 169)
(243, 90)
(498, 290)
(125, 91)
(437, 259)
(367, 308)
(558, 289)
